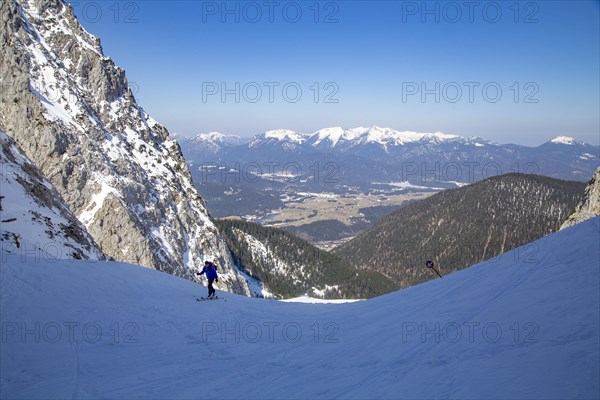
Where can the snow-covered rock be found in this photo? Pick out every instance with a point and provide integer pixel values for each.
(332, 135)
(589, 207)
(34, 220)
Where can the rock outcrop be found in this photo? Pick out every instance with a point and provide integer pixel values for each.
(589, 207)
(34, 220)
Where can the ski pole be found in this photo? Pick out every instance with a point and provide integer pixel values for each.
(429, 264)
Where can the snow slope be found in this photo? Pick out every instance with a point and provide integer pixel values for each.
(524, 325)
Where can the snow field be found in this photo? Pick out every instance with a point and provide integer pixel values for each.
(507, 328)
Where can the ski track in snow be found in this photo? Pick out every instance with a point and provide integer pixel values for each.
(166, 349)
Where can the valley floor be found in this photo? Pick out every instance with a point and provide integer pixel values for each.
(330, 219)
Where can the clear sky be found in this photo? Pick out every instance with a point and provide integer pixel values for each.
(519, 72)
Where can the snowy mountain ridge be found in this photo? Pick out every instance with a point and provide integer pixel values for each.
(333, 135)
(374, 134)
(216, 137)
(364, 155)
(212, 142)
(284, 134)
(358, 136)
(565, 140)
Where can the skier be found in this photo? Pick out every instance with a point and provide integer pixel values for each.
(211, 274)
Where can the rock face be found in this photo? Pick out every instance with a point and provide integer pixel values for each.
(34, 221)
(589, 207)
(73, 114)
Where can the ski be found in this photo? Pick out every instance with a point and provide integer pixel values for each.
(212, 298)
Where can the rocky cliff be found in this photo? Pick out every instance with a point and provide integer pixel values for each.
(34, 221)
(589, 206)
(73, 114)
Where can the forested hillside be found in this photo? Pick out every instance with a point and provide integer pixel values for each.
(289, 266)
(460, 227)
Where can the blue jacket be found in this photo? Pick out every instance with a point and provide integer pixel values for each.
(211, 272)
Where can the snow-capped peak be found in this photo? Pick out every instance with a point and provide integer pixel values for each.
(333, 135)
(445, 136)
(284, 135)
(211, 136)
(564, 140)
(375, 134)
(379, 135)
(216, 137)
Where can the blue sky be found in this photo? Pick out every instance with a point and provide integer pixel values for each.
(519, 72)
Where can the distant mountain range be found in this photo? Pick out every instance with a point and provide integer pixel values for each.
(255, 177)
(363, 155)
(461, 227)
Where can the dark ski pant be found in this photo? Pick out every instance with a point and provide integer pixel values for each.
(211, 289)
